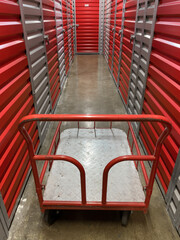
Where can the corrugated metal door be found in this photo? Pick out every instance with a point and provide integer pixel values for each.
(125, 63)
(87, 33)
(51, 49)
(16, 102)
(162, 94)
(60, 41)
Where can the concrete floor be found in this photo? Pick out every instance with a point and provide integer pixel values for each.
(90, 89)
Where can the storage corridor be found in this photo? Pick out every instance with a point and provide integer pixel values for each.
(90, 90)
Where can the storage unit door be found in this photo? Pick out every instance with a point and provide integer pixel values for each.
(87, 33)
(16, 102)
(162, 94)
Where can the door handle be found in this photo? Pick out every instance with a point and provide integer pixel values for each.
(77, 25)
(46, 38)
(132, 37)
(113, 29)
(63, 30)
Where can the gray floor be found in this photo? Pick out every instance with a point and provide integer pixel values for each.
(90, 89)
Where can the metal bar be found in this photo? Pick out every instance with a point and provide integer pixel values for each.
(118, 160)
(67, 159)
(94, 205)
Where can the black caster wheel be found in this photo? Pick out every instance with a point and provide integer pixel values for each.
(50, 216)
(125, 218)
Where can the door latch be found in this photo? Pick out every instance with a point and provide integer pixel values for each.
(132, 37)
(46, 38)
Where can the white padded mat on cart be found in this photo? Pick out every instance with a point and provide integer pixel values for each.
(94, 151)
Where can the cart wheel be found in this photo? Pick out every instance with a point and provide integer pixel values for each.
(50, 216)
(125, 218)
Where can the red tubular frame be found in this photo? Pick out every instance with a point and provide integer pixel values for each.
(83, 204)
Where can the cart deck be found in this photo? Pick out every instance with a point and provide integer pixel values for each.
(94, 149)
(92, 168)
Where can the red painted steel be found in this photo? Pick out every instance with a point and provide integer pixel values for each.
(162, 95)
(16, 101)
(129, 24)
(87, 33)
(51, 48)
(102, 205)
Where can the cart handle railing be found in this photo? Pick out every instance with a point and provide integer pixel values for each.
(97, 118)
(101, 118)
(113, 162)
(67, 159)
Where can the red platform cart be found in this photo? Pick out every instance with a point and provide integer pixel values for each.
(95, 168)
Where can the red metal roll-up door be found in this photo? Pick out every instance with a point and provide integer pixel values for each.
(87, 33)
(16, 102)
(162, 95)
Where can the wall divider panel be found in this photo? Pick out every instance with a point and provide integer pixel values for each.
(49, 21)
(101, 25)
(60, 41)
(118, 39)
(106, 33)
(162, 94)
(173, 195)
(33, 28)
(65, 29)
(72, 25)
(16, 102)
(112, 34)
(69, 29)
(127, 45)
(143, 36)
